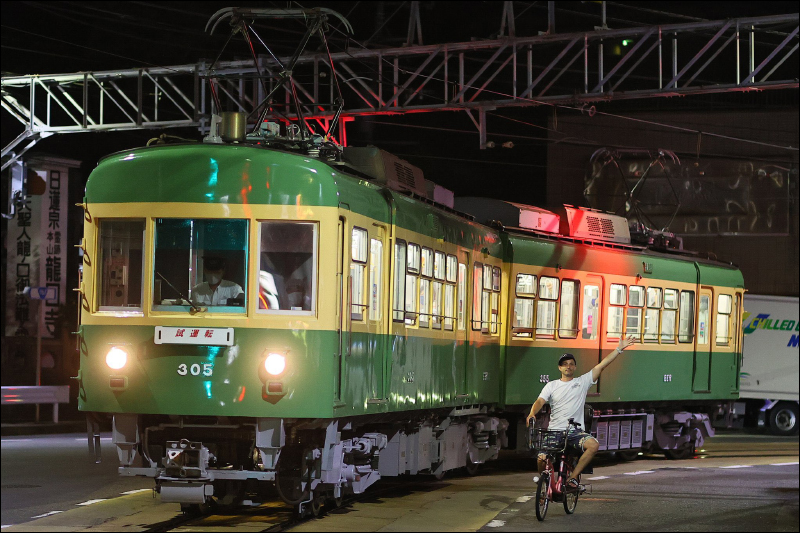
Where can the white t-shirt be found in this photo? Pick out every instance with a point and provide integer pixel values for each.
(202, 294)
(566, 399)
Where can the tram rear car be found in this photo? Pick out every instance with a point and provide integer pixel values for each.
(373, 332)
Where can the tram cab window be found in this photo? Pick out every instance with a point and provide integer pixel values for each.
(121, 260)
(201, 262)
(287, 258)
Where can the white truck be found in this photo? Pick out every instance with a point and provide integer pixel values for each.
(768, 384)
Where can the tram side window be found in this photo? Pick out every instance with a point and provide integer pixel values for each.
(523, 306)
(703, 317)
(724, 309)
(121, 245)
(633, 321)
(462, 296)
(451, 276)
(287, 268)
(570, 294)
(375, 277)
(477, 290)
(616, 310)
(652, 315)
(669, 315)
(546, 308)
(686, 319)
(412, 273)
(204, 260)
(591, 298)
(426, 273)
(495, 299)
(439, 268)
(398, 312)
(358, 265)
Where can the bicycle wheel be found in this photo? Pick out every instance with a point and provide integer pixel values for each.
(541, 496)
(571, 498)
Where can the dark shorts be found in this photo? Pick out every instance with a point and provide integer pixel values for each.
(576, 441)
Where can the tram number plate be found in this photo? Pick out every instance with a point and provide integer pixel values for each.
(204, 336)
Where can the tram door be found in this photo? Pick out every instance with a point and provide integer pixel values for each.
(463, 306)
(591, 320)
(364, 328)
(702, 348)
(376, 318)
(342, 298)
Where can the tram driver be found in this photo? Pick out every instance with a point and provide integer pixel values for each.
(215, 290)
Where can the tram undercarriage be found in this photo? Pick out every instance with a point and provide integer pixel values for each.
(227, 461)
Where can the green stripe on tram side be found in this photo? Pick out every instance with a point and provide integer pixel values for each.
(236, 386)
(637, 376)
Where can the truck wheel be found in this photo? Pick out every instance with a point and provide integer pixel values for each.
(783, 419)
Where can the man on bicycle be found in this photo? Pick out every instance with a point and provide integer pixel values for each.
(567, 397)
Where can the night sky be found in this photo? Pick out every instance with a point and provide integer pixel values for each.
(50, 37)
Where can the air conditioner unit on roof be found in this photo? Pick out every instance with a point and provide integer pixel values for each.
(593, 224)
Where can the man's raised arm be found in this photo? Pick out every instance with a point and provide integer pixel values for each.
(624, 342)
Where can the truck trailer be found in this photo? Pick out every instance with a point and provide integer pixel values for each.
(768, 386)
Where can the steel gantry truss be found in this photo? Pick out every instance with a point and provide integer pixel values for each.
(570, 69)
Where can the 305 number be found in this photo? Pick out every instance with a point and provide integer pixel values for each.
(196, 369)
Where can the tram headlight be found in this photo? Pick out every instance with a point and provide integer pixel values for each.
(275, 364)
(116, 358)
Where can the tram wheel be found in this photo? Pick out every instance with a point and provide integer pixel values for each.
(681, 453)
(315, 506)
(332, 502)
(194, 509)
(472, 468)
(628, 455)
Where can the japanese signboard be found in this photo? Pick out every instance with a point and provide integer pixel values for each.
(189, 335)
(37, 249)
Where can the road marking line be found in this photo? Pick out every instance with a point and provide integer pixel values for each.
(639, 472)
(496, 523)
(135, 491)
(6, 525)
(523, 499)
(738, 466)
(47, 514)
(784, 464)
(90, 502)
(599, 477)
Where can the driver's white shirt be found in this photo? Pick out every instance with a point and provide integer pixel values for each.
(203, 295)
(567, 399)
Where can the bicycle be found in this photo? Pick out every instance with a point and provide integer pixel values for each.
(552, 485)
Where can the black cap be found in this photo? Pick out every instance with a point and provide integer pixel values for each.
(564, 357)
(213, 262)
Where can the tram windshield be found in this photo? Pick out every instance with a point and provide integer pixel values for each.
(287, 266)
(200, 262)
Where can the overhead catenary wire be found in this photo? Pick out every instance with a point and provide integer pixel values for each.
(577, 109)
